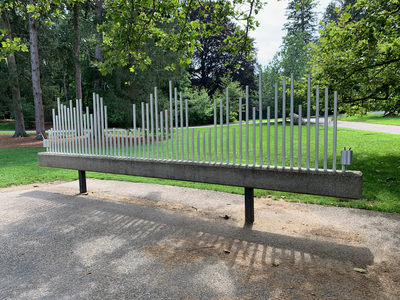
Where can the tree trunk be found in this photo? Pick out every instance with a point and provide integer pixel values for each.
(37, 91)
(99, 38)
(78, 74)
(16, 95)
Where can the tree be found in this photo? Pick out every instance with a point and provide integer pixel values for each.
(210, 64)
(131, 24)
(336, 7)
(14, 82)
(301, 18)
(77, 52)
(360, 60)
(37, 90)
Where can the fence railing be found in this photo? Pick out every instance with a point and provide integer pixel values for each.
(167, 135)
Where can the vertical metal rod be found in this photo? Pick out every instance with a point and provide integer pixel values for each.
(215, 131)
(227, 125)
(254, 136)
(283, 122)
(62, 130)
(221, 134)
(143, 129)
(240, 130)
(156, 115)
(134, 129)
(92, 134)
(181, 115)
(198, 145)
(98, 124)
(234, 146)
(204, 146)
(77, 126)
(308, 120)
(82, 182)
(162, 134)
(69, 126)
(58, 123)
(268, 136)
(126, 143)
(171, 120)
(299, 138)
(103, 121)
(166, 135)
(74, 128)
(81, 145)
(65, 112)
(326, 131)
(55, 138)
(54, 128)
(176, 125)
(124, 135)
(115, 142)
(89, 129)
(316, 127)
(147, 131)
(187, 130)
(85, 134)
(334, 131)
(291, 118)
(247, 125)
(209, 145)
(152, 126)
(119, 143)
(106, 128)
(139, 142)
(192, 143)
(94, 126)
(249, 205)
(260, 115)
(130, 144)
(276, 127)
(67, 120)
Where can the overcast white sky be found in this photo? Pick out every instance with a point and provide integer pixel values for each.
(269, 34)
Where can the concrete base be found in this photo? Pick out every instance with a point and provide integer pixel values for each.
(334, 184)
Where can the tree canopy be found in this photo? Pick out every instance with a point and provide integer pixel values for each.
(361, 60)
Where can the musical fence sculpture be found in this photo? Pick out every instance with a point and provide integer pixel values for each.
(247, 153)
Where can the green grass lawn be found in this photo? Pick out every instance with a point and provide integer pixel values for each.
(374, 119)
(374, 155)
(7, 126)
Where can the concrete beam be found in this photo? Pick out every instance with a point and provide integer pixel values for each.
(334, 184)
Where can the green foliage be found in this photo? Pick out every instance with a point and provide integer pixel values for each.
(201, 109)
(131, 25)
(360, 60)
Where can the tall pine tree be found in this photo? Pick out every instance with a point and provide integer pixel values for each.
(301, 17)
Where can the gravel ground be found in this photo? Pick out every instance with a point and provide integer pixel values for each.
(141, 241)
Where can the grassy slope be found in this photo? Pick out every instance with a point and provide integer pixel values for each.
(374, 119)
(374, 155)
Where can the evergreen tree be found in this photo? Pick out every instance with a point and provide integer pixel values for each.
(210, 64)
(301, 18)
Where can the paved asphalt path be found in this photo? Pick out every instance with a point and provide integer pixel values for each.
(141, 241)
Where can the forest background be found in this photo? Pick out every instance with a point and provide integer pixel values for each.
(121, 51)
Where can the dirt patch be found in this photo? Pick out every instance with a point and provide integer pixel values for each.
(7, 141)
(289, 277)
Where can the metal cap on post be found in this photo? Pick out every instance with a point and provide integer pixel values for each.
(346, 158)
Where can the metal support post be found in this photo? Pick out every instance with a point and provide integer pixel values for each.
(249, 205)
(82, 182)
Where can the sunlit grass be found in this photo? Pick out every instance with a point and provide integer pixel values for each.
(374, 119)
